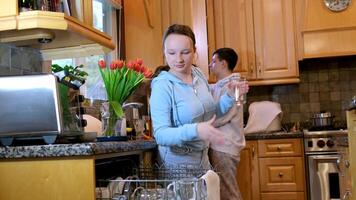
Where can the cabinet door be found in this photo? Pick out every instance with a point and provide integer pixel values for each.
(275, 39)
(247, 172)
(280, 147)
(230, 24)
(282, 174)
(283, 196)
(43, 179)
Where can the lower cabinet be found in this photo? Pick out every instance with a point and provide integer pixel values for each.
(282, 196)
(65, 178)
(248, 173)
(272, 169)
(43, 179)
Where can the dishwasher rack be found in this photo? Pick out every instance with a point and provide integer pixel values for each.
(181, 182)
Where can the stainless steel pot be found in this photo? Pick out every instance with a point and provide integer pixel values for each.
(322, 119)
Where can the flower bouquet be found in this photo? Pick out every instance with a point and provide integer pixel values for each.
(121, 79)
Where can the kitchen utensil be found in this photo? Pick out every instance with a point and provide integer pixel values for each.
(322, 119)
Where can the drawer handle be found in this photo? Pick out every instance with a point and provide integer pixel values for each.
(280, 174)
(279, 148)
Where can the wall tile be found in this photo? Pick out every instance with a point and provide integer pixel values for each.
(313, 77)
(314, 87)
(324, 96)
(19, 60)
(326, 84)
(334, 75)
(295, 117)
(323, 76)
(314, 97)
(303, 87)
(5, 54)
(335, 96)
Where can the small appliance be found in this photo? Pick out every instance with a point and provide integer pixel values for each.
(31, 108)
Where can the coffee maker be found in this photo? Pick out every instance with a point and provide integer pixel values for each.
(135, 122)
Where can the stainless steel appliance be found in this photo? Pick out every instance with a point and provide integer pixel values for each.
(31, 108)
(327, 164)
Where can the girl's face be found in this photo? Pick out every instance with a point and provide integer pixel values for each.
(179, 52)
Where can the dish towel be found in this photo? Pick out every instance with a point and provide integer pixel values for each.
(212, 182)
(261, 115)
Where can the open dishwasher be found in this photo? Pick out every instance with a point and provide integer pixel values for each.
(155, 183)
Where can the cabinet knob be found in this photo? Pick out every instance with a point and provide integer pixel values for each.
(347, 164)
(259, 67)
(279, 148)
(280, 174)
(251, 68)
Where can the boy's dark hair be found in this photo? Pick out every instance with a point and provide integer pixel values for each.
(229, 55)
(159, 69)
(181, 30)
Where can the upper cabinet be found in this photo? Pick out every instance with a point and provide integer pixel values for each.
(326, 32)
(263, 32)
(56, 34)
(146, 20)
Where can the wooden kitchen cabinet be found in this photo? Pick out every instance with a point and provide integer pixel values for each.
(63, 35)
(146, 20)
(45, 179)
(262, 32)
(63, 178)
(248, 173)
(326, 33)
(272, 169)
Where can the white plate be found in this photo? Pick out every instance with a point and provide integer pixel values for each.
(116, 186)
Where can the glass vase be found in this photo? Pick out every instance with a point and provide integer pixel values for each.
(112, 125)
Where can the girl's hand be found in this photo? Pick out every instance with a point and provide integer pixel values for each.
(207, 132)
(241, 85)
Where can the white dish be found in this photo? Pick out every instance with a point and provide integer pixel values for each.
(116, 186)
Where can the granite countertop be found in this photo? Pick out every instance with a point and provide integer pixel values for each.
(77, 149)
(100, 148)
(274, 135)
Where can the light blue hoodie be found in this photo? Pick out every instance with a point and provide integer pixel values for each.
(177, 107)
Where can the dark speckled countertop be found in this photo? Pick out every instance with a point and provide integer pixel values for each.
(77, 149)
(101, 148)
(273, 135)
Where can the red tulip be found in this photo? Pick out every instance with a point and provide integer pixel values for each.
(120, 63)
(137, 67)
(113, 66)
(130, 65)
(139, 61)
(102, 64)
(148, 73)
(143, 69)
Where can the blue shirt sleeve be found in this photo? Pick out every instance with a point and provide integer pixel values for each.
(224, 105)
(161, 113)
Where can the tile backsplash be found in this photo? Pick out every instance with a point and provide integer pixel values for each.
(19, 60)
(326, 84)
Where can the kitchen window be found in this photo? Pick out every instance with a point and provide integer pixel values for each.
(105, 20)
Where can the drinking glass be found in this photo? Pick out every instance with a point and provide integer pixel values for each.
(240, 97)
